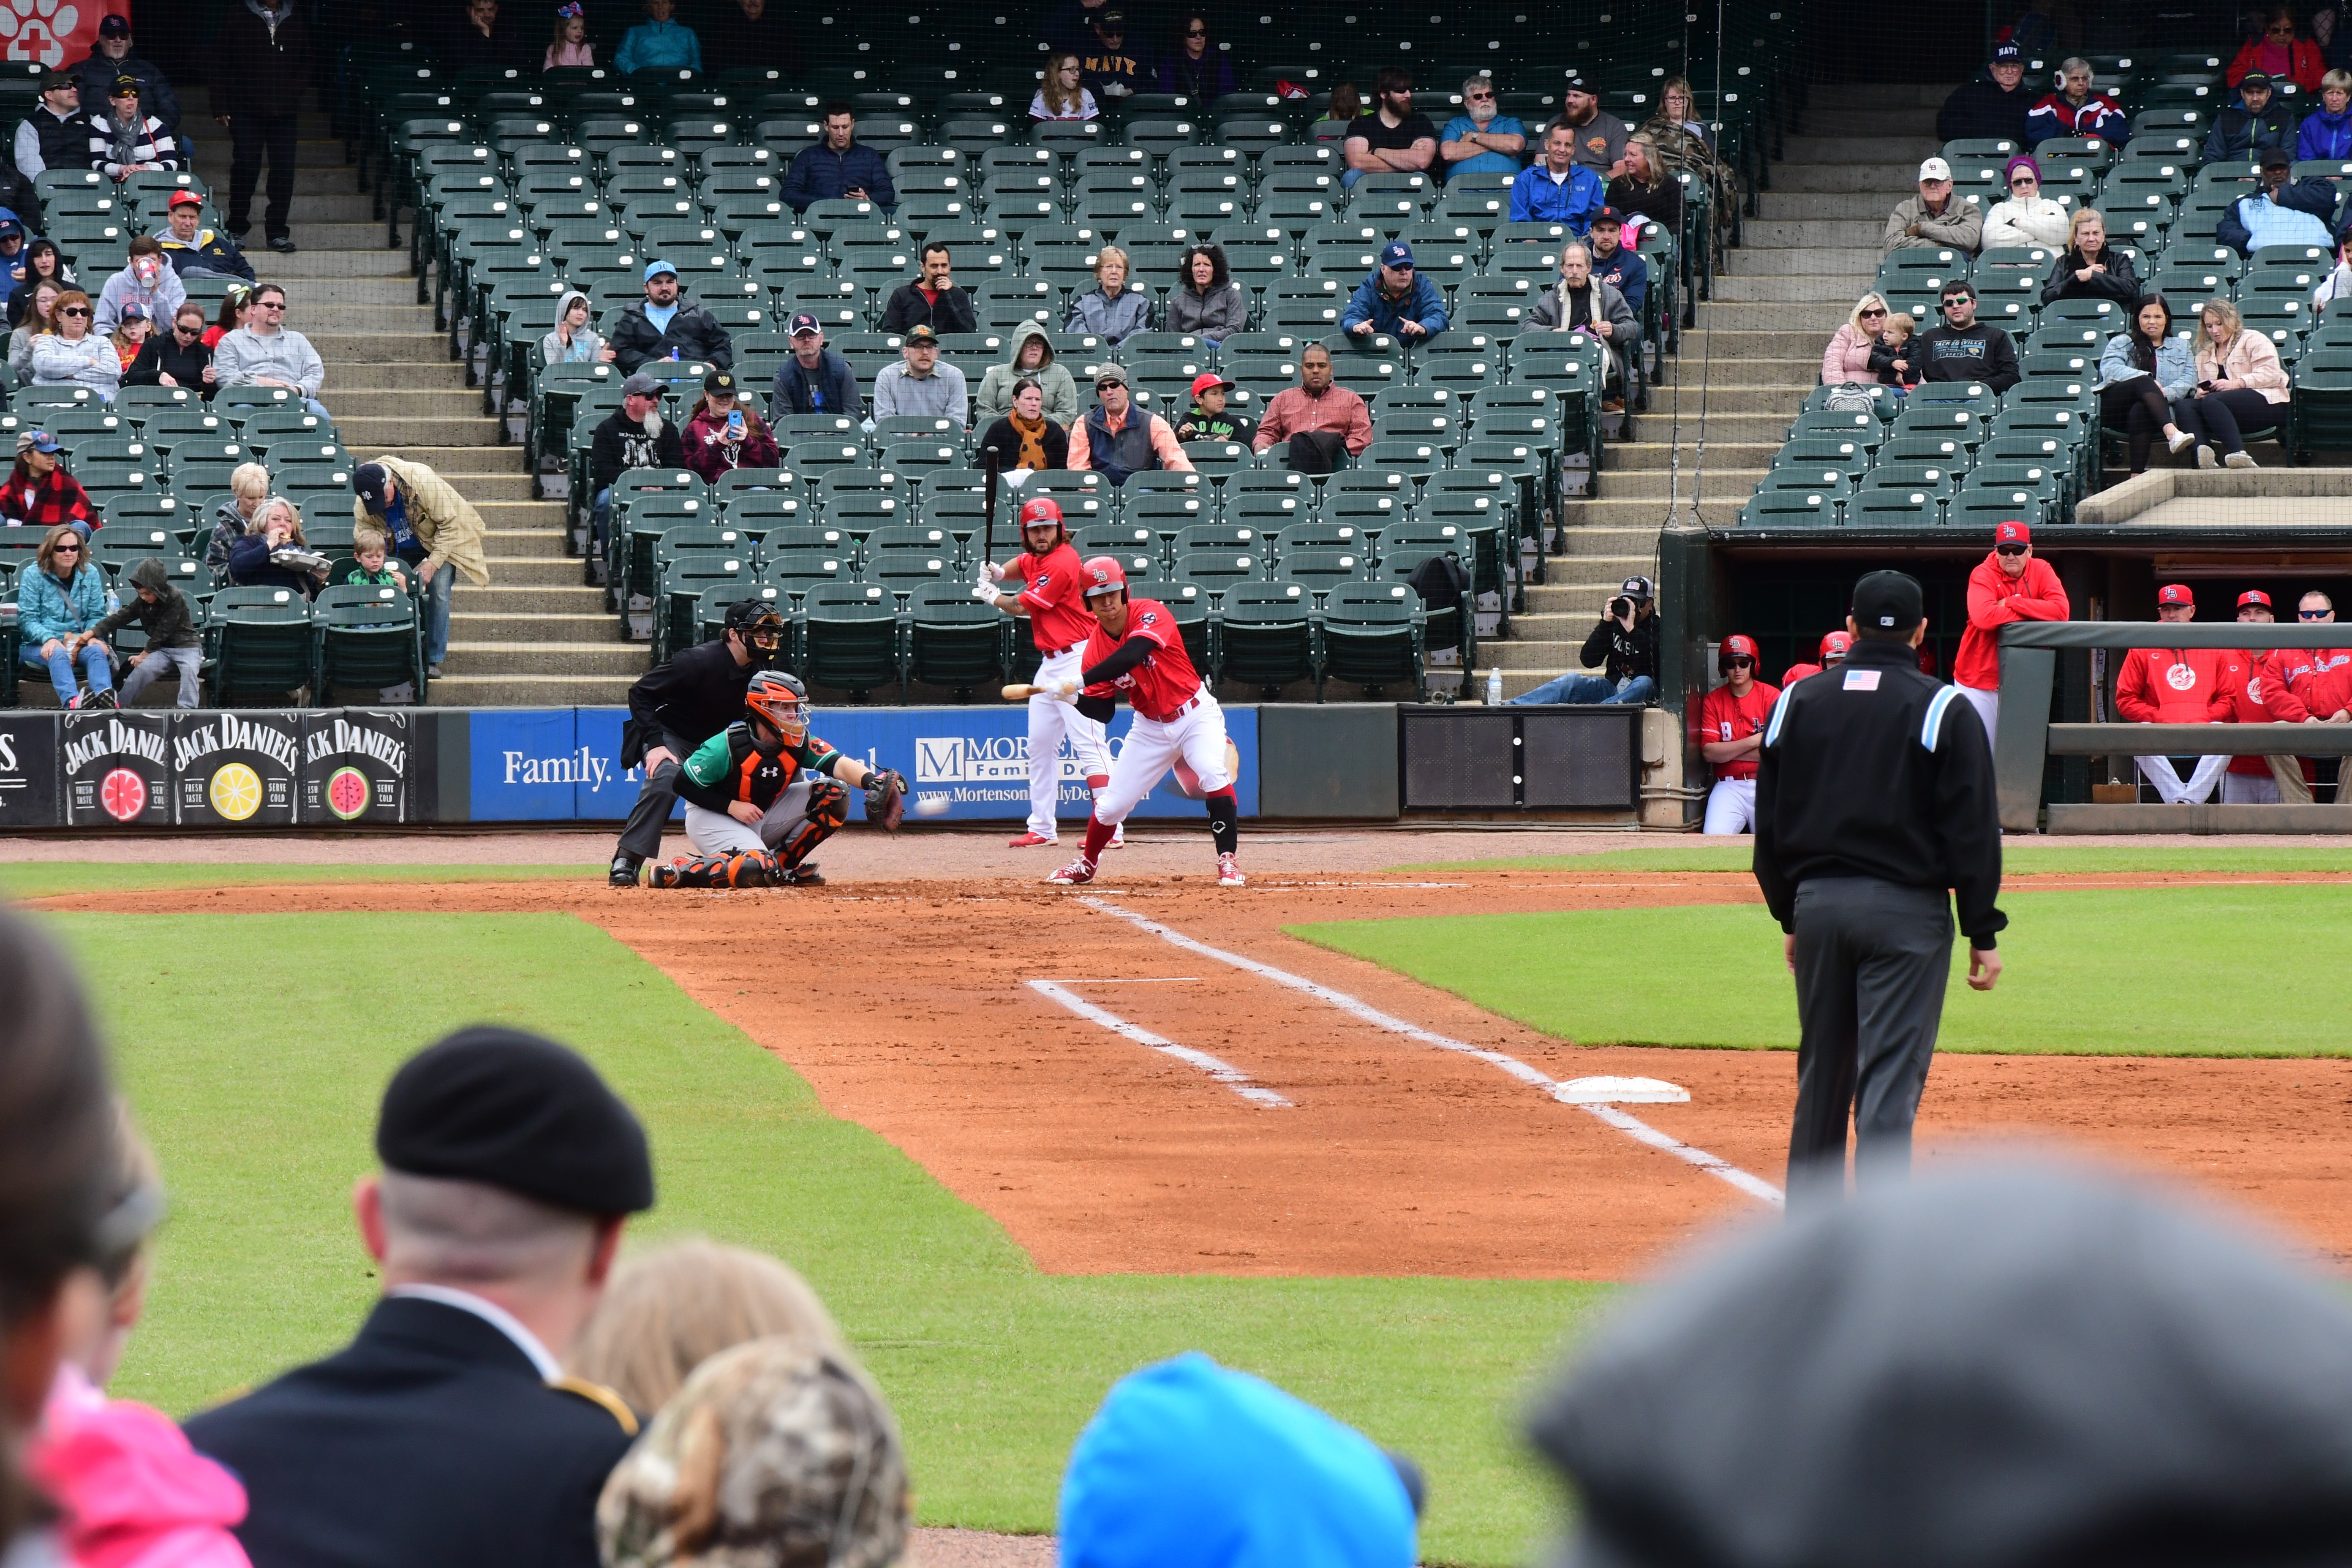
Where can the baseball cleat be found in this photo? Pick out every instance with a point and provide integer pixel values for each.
(801, 876)
(1028, 841)
(625, 873)
(1229, 871)
(1076, 873)
(666, 875)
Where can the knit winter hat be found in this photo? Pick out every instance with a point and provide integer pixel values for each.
(2024, 163)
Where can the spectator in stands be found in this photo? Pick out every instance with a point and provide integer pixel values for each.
(1391, 139)
(1023, 436)
(2284, 211)
(433, 529)
(815, 380)
(2337, 285)
(633, 436)
(1992, 106)
(2145, 377)
(1110, 310)
(572, 341)
(56, 134)
(110, 59)
(752, 33)
(935, 301)
(1395, 301)
(922, 383)
(42, 265)
(1062, 93)
(1070, 25)
(373, 565)
(1344, 107)
(2259, 120)
(1965, 349)
(2326, 132)
(128, 337)
(1580, 302)
(1209, 419)
(1619, 265)
(259, 49)
(236, 310)
(726, 432)
(38, 318)
(274, 554)
(509, 1171)
(1645, 191)
(481, 32)
(146, 280)
(1112, 70)
(2262, 691)
(12, 248)
(195, 251)
(670, 1308)
(658, 43)
(1847, 357)
(1938, 218)
(2075, 110)
(838, 167)
(2089, 268)
(2028, 217)
(73, 355)
(1318, 406)
(61, 598)
(2280, 53)
(1684, 145)
(173, 646)
(569, 49)
(266, 352)
(1115, 438)
(126, 141)
(248, 485)
(2241, 386)
(2176, 686)
(2321, 678)
(2012, 584)
(1625, 643)
(1195, 67)
(665, 326)
(1482, 140)
(1032, 359)
(1206, 302)
(1556, 188)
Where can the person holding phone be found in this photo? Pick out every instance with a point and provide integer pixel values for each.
(726, 432)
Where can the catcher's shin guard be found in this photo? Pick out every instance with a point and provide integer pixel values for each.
(828, 808)
(741, 869)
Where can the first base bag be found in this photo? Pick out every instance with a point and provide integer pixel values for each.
(235, 769)
(356, 765)
(117, 769)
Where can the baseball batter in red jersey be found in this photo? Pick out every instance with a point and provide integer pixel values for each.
(2260, 694)
(1049, 596)
(1137, 649)
(1833, 650)
(2176, 686)
(1731, 728)
(2010, 585)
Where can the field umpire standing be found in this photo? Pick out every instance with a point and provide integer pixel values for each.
(677, 706)
(1875, 795)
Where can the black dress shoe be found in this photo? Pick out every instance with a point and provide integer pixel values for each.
(625, 873)
(283, 243)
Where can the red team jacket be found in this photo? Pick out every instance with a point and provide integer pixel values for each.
(1164, 682)
(2175, 686)
(1058, 617)
(1724, 717)
(2259, 694)
(1995, 599)
(2321, 678)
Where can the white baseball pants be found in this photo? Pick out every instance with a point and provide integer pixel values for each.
(1152, 747)
(1050, 720)
(1732, 806)
(2159, 772)
(716, 833)
(1987, 706)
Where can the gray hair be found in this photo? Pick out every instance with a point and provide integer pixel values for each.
(1481, 79)
(1576, 244)
(2073, 63)
(470, 1232)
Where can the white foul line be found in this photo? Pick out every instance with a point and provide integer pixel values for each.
(1632, 1126)
(1233, 1077)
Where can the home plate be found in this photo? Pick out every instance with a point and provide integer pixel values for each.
(1619, 1091)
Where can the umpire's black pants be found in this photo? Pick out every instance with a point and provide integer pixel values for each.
(250, 135)
(641, 838)
(1873, 960)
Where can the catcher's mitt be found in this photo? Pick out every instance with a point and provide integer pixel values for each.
(886, 798)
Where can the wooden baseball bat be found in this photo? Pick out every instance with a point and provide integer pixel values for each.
(987, 507)
(1017, 692)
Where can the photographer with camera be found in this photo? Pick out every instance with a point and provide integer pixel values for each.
(1624, 644)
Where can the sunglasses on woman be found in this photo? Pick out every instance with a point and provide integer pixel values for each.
(67, 550)
(2022, 179)
(73, 311)
(1866, 315)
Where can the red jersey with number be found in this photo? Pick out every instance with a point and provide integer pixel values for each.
(2260, 694)
(2173, 686)
(1725, 716)
(1164, 682)
(1058, 617)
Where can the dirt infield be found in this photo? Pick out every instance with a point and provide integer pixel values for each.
(1393, 1155)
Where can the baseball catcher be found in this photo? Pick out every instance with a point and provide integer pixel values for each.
(763, 793)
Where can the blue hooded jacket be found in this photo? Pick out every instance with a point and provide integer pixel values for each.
(1425, 304)
(2325, 135)
(1188, 1465)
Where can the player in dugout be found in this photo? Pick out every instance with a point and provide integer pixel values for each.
(1731, 730)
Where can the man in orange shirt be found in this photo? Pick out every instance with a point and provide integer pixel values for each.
(2010, 585)
(1316, 404)
(1115, 438)
(2176, 686)
(1731, 732)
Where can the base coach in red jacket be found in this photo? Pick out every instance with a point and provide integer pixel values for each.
(2010, 585)
(1875, 809)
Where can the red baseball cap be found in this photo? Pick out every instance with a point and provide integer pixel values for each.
(185, 199)
(1836, 646)
(2012, 532)
(1737, 645)
(2175, 594)
(2253, 596)
(1207, 379)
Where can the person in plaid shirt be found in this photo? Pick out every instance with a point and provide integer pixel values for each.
(40, 493)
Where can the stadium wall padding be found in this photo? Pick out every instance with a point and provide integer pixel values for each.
(1333, 759)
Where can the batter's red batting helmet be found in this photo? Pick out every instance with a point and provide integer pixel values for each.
(1100, 574)
(1735, 645)
(1835, 647)
(1044, 510)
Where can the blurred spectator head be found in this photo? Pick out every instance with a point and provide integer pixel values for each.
(1575, 264)
(135, 1198)
(236, 307)
(1061, 87)
(1204, 270)
(840, 125)
(132, 326)
(1189, 1465)
(659, 10)
(1315, 368)
(1111, 26)
(571, 26)
(1028, 398)
(61, 90)
(276, 520)
(11, 238)
(2279, 25)
(2007, 67)
(722, 396)
(39, 312)
(71, 314)
(1346, 102)
(1110, 270)
(264, 311)
(938, 267)
(774, 1455)
(482, 16)
(1478, 101)
(186, 213)
(1193, 35)
(920, 349)
(661, 283)
(2315, 605)
(673, 1306)
(808, 339)
(1559, 147)
(2254, 607)
(640, 395)
(41, 260)
(1577, 100)
(1641, 162)
(2254, 92)
(249, 482)
(2010, 1364)
(114, 38)
(2074, 79)
(1676, 103)
(1392, 87)
(122, 102)
(2221, 321)
(62, 553)
(1111, 389)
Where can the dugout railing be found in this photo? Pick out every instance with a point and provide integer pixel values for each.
(2027, 738)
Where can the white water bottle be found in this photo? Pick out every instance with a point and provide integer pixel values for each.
(1494, 687)
(113, 602)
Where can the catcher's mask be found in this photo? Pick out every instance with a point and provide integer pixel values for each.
(779, 704)
(761, 626)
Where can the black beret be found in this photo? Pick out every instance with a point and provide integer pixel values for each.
(516, 1111)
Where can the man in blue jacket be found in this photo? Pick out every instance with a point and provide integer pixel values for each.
(1558, 189)
(1618, 265)
(2257, 122)
(1395, 299)
(2285, 211)
(838, 167)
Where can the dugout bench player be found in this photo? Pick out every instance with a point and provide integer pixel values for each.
(673, 709)
(1731, 730)
(1874, 800)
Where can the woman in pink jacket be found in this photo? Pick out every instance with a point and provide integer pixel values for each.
(1848, 357)
(2241, 385)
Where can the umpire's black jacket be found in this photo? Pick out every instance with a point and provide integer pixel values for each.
(1873, 769)
(698, 692)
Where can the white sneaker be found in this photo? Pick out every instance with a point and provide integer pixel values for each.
(2205, 458)
(1076, 873)
(2240, 460)
(1229, 870)
(2181, 442)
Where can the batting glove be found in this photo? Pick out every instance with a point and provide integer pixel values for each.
(986, 593)
(996, 572)
(1063, 690)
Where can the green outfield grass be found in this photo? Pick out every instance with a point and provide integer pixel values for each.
(2181, 970)
(254, 1050)
(2014, 858)
(49, 878)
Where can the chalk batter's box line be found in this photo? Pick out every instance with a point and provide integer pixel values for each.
(1632, 1126)
(1231, 1077)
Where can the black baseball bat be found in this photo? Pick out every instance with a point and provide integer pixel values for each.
(988, 505)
